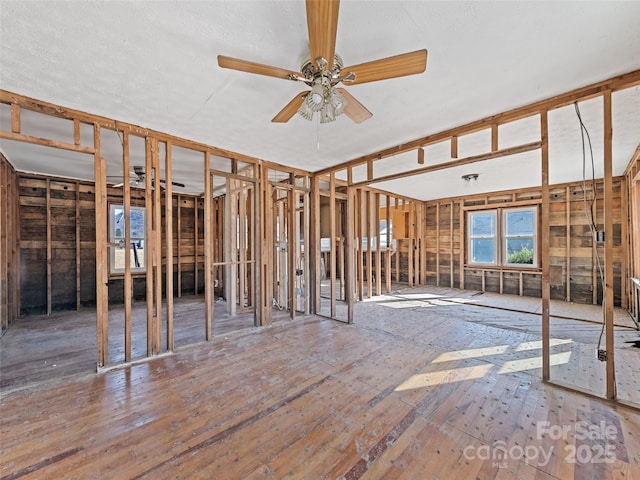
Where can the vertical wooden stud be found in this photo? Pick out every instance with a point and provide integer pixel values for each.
(454, 147)
(78, 247)
(208, 267)
(128, 282)
(168, 237)
(292, 241)
(332, 230)
(48, 194)
(567, 206)
(349, 249)
(102, 266)
(494, 137)
(438, 244)
(451, 244)
(544, 245)
(378, 249)
(179, 243)
(421, 156)
(15, 118)
(76, 131)
(368, 256)
(608, 246)
(148, 248)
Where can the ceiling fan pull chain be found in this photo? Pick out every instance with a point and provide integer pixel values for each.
(318, 133)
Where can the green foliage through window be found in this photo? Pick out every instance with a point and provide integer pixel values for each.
(522, 256)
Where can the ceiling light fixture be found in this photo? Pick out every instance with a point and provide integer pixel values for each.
(323, 99)
(470, 176)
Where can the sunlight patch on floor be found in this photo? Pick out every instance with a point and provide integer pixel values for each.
(533, 363)
(430, 379)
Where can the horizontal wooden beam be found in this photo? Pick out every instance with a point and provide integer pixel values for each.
(619, 82)
(19, 137)
(455, 163)
(58, 111)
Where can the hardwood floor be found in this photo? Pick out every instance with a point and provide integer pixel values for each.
(420, 390)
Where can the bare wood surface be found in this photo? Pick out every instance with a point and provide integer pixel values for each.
(290, 109)
(128, 281)
(455, 163)
(544, 246)
(391, 67)
(322, 27)
(399, 393)
(257, 68)
(608, 246)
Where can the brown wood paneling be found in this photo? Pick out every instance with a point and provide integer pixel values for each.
(441, 249)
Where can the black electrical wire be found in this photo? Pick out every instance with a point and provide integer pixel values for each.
(589, 212)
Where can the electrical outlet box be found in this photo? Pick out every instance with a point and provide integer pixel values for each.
(599, 236)
(602, 355)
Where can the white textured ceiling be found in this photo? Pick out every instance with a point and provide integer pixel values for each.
(154, 64)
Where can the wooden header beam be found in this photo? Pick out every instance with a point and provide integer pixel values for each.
(76, 116)
(620, 82)
(455, 163)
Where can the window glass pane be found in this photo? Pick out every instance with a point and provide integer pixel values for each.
(136, 256)
(519, 222)
(520, 250)
(483, 250)
(118, 223)
(483, 224)
(137, 223)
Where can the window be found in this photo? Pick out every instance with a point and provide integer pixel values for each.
(503, 237)
(519, 236)
(482, 237)
(117, 236)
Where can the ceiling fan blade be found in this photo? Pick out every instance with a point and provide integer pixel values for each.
(257, 68)
(290, 109)
(354, 109)
(390, 67)
(118, 185)
(322, 22)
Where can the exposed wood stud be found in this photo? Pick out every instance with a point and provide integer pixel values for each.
(438, 245)
(208, 268)
(168, 236)
(102, 266)
(544, 246)
(494, 137)
(332, 242)
(378, 249)
(76, 131)
(15, 118)
(78, 247)
(567, 206)
(179, 243)
(451, 283)
(150, 239)
(128, 282)
(454, 146)
(608, 247)
(528, 147)
(421, 156)
(48, 207)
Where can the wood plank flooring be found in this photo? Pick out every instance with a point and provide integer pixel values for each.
(420, 391)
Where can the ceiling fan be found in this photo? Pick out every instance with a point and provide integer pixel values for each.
(324, 70)
(137, 177)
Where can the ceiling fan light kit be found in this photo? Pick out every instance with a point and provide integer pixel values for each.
(324, 98)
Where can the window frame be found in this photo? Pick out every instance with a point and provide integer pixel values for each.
(505, 238)
(500, 238)
(113, 271)
(471, 237)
